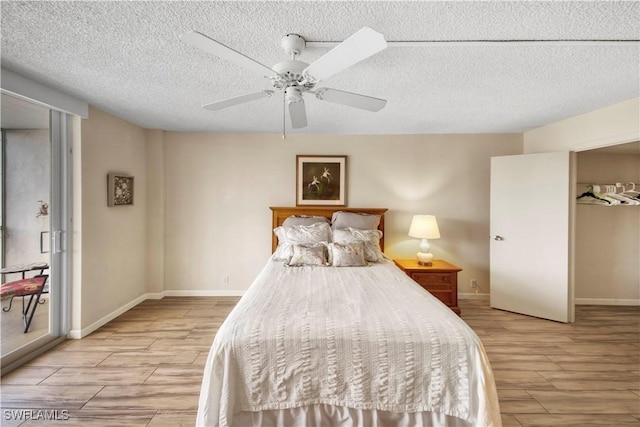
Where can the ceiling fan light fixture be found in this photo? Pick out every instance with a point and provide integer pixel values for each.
(293, 95)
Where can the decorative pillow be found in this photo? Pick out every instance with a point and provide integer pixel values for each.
(295, 220)
(370, 238)
(349, 255)
(299, 235)
(308, 255)
(341, 220)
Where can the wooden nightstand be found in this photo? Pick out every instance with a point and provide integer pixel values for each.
(440, 279)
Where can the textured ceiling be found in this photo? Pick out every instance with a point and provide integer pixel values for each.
(126, 58)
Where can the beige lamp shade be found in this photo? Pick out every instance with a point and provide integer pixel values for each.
(424, 227)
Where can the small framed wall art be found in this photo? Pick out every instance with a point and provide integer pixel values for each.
(321, 180)
(119, 189)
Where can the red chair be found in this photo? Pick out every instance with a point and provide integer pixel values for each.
(33, 287)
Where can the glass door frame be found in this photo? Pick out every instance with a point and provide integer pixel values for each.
(3, 143)
(61, 217)
(60, 211)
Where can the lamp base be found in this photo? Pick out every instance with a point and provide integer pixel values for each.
(425, 258)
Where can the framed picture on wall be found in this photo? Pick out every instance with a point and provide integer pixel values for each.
(321, 180)
(119, 189)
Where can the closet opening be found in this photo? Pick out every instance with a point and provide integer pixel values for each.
(607, 227)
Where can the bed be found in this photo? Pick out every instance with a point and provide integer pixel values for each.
(320, 345)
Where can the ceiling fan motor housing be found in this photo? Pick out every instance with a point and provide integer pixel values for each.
(290, 74)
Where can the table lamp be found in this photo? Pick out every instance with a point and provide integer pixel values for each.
(424, 227)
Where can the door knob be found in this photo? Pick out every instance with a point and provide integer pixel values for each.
(498, 238)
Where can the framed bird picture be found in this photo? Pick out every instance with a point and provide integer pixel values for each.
(321, 180)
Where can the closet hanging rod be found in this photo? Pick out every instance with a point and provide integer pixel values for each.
(608, 183)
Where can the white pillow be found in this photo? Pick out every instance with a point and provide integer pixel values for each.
(349, 255)
(294, 220)
(308, 255)
(370, 238)
(299, 235)
(362, 221)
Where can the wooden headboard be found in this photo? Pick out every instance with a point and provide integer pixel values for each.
(281, 213)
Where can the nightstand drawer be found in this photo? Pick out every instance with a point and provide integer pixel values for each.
(432, 278)
(443, 294)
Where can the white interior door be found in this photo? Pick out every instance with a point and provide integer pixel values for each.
(530, 235)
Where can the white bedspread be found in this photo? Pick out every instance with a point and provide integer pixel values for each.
(356, 337)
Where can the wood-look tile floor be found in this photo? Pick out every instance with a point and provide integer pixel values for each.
(145, 367)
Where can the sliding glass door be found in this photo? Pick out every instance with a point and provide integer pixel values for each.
(35, 216)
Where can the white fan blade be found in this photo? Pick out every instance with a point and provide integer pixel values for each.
(298, 114)
(355, 100)
(219, 105)
(356, 48)
(209, 45)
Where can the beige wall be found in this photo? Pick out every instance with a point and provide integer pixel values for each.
(607, 238)
(611, 125)
(218, 189)
(155, 211)
(111, 243)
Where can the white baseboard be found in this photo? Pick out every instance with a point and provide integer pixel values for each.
(205, 293)
(607, 301)
(473, 296)
(578, 301)
(155, 295)
(81, 333)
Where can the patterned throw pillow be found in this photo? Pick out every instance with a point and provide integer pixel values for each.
(308, 255)
(299, 235)
(349, 255)
(370, 238)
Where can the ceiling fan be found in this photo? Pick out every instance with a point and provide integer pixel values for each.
(294, 78)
